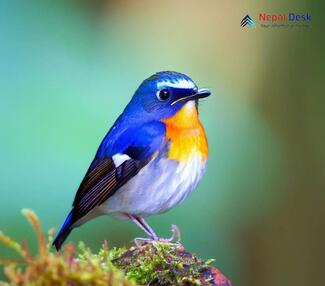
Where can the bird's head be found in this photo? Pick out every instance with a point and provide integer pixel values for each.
(164, 94)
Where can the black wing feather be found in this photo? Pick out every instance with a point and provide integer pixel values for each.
(93, 176)
(101, 183)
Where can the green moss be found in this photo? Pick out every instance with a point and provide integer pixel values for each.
(153, 263)
(163, 264)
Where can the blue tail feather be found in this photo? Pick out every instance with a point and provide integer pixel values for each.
(63, 232)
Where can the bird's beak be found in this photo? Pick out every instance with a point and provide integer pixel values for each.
(201, 93)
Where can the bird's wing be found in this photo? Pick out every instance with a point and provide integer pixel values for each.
(115, 164)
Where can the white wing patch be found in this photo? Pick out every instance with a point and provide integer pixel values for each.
(119, 159)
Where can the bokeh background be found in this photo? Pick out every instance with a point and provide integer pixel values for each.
(68, 68)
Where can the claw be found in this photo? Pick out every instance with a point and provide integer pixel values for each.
(176, 235)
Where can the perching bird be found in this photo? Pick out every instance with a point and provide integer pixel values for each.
(150, 160)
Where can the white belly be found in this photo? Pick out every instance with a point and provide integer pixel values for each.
(159, 186)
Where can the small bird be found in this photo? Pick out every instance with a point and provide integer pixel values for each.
(151, 159)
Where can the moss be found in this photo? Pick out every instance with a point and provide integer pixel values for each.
(154, 263)
(167, 264)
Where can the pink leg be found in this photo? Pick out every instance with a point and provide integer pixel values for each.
(139, 221)
(148, 227)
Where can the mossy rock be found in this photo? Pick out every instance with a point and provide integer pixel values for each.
(154, 263)
(164, 264)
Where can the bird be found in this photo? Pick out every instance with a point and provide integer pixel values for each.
(150, 160)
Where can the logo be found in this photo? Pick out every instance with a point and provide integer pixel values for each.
(247, 21)
(278, 20)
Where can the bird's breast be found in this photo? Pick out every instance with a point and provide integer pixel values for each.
(186, 134)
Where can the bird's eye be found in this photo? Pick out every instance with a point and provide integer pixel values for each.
(163, 94)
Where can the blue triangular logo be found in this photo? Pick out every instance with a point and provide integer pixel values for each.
(247, 21)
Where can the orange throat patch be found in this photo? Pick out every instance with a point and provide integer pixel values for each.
(186, 134)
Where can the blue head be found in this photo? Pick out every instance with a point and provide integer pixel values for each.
(163, 94)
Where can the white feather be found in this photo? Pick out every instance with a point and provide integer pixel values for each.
(119, 159)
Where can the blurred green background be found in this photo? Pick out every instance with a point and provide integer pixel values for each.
(68, 68)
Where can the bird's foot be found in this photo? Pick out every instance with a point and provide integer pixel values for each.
(174, 238)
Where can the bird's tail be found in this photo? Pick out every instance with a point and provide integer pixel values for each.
(63, 232)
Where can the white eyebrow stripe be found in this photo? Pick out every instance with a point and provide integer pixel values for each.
(182, 83)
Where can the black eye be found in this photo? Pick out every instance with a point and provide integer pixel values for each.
(163, 94)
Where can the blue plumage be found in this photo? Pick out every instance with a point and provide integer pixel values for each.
(148, 134)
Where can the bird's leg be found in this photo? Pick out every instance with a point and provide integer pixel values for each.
(148, 227)
(139, 221)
